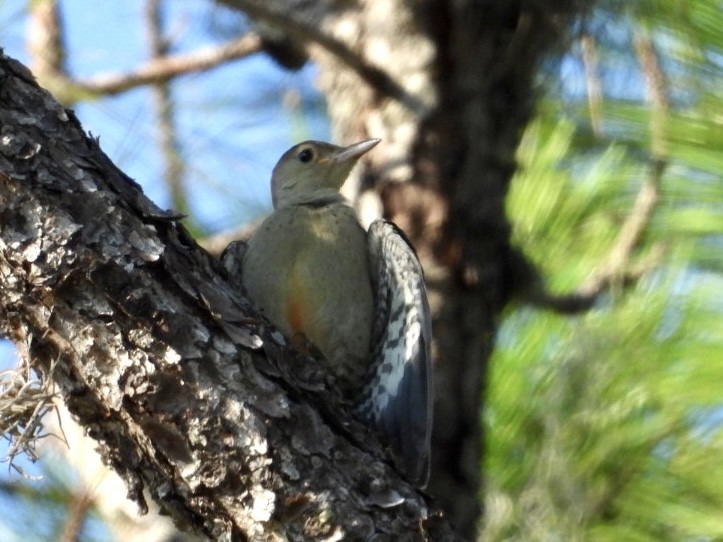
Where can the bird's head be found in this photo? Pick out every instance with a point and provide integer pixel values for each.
(314, 170)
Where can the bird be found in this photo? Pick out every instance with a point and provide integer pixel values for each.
(357, 296)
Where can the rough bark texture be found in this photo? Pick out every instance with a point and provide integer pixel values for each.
(448, 86)
(162, 361)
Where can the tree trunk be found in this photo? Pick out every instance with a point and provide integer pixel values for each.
(163, 362)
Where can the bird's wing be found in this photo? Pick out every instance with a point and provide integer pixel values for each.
(398, 395)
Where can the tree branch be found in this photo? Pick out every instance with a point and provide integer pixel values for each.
(157, 69)
(593, 84)
(187, 391)
(304, 24)
(78, 509)
(46, 43)
(617, 268)
(617, 264)
(166, 128)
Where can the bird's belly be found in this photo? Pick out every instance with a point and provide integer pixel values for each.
(333, 309)
(315, 281)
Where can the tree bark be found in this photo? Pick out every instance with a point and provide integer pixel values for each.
(157, 355)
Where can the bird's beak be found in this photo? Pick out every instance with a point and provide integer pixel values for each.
(353, 152)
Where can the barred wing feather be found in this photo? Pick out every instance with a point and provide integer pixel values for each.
(398, 395)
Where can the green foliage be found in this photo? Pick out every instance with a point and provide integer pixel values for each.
(608, 426)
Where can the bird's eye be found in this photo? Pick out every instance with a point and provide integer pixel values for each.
(306, 156)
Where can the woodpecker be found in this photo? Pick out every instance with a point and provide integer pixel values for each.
(358, 296)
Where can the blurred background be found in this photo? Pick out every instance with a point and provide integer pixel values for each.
(601, 400)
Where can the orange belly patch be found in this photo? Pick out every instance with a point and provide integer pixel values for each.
(296, 302)
(295, 316)
(298, 320)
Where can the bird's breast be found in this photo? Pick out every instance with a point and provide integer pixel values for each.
(307, 269)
